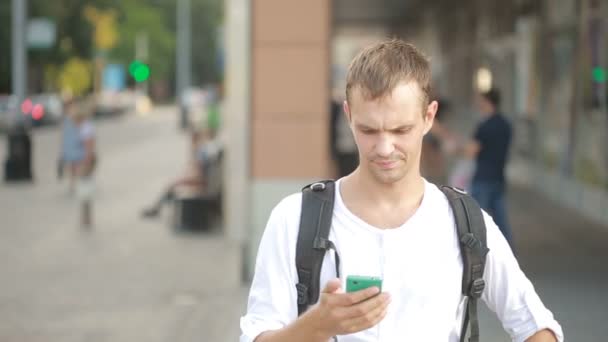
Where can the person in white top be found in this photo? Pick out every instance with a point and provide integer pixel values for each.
(85, 169)
(389, 222)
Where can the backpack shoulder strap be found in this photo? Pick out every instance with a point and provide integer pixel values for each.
(313, 240)
(471, 229)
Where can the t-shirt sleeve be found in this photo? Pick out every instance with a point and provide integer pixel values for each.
(272, 302)
(510, 294)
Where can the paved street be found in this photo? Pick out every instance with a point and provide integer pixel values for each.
(129, 279)
(566, 258)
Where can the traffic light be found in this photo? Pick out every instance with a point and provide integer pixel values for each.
(599, 75)
(139, 71)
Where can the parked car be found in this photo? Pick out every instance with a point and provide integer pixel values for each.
(111, 103)
(42, 109)
(52, 109)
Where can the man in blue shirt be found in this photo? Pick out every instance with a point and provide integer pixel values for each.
(490, 148)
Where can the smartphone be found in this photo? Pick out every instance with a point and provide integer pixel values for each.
(356, 283)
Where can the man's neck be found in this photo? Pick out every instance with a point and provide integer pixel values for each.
(405, 192)
(491, 113)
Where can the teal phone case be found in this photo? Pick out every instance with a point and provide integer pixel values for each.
(356, 283)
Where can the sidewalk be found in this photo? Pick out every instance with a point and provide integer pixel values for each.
(127, 279)
(565, 257)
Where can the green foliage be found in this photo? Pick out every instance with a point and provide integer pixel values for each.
(136, 19)
(156, 18)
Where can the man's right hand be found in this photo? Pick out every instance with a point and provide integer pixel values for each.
(336, 313)
(339, 313)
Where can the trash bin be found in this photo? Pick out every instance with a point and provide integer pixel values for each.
(18, 162)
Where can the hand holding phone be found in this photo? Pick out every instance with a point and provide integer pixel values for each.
(343, 313)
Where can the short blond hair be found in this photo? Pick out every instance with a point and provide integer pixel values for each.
(377, 70)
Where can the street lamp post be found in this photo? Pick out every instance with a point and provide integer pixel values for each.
(18, 166)
(19, 71)
(183, 58)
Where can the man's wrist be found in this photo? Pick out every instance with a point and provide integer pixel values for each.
(305, 329)
(311, 323)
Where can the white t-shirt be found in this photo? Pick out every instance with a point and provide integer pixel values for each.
(86, 130)
(421, 267)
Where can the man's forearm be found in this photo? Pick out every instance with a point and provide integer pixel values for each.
(545, 335)
(302, 330)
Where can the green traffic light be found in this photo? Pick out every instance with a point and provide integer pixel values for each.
(139, 71)
(133, 67)
(599, 75)
(142, 73)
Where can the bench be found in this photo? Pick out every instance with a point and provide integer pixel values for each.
(196, 211)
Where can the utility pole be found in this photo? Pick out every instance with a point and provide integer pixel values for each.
(19, 67)
(141, 54)
(18, 163)
(183, 58)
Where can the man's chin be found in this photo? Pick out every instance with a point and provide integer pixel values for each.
(388, 177)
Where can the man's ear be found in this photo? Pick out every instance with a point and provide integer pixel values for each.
(429, 116)
(346, 111)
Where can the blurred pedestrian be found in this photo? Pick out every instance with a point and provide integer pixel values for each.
(87, 163)
(72, 151)
(205, 151)
(343, 147)
(433, 161)
(490, 148)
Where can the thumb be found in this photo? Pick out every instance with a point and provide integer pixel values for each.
(332, 286)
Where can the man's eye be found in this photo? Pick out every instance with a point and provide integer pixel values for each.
(403, 130)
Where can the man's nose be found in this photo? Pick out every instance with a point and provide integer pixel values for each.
(384, 147)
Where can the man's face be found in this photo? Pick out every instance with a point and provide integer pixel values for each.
(485, 107)
(389, 131)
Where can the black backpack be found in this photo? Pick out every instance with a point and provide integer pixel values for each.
(313, 243)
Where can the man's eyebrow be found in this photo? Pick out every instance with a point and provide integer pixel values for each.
(397, 128)
(402, 127)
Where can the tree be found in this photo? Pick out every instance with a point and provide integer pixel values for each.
(75, 37)
(207, 16)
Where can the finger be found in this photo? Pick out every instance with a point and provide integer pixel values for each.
(358, 296)
(332, 286)
(349, 299)
(361, 309)
(367, 321)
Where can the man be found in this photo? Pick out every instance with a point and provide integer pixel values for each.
(489, 148)
(205, 152)
(389, 222)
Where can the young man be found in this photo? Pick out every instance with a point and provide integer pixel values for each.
(490, 148)
(388, 222)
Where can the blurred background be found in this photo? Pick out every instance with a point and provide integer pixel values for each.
(146, 141)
